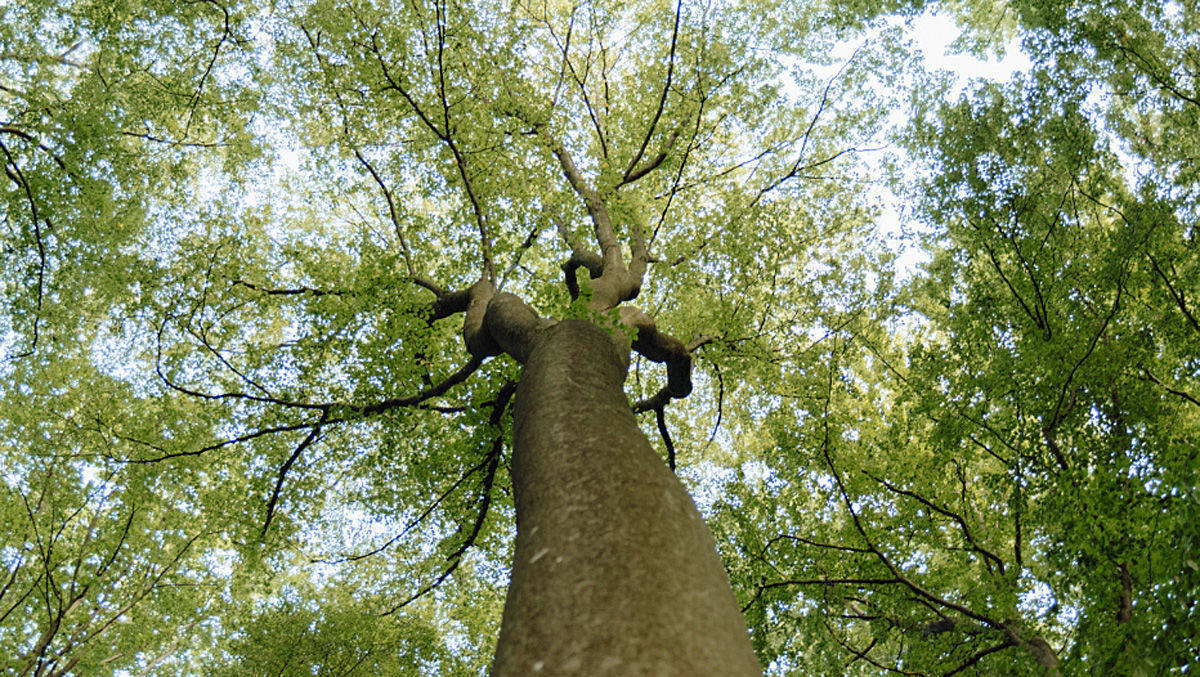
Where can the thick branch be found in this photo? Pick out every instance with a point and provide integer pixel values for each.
(658, 346)
(581, 259)
(614, 284)
(1125, 605)
(664, 396)
(1039, 648)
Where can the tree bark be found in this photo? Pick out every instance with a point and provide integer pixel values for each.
(615, 571)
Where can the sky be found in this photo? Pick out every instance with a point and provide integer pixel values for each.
(934, 36)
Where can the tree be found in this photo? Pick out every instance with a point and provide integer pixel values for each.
(1015, 461)
(319, 315)
(242, 381)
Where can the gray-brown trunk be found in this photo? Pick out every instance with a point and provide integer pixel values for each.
(615, 572)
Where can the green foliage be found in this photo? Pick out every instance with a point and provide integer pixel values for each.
(1009, 452)
(223, 225)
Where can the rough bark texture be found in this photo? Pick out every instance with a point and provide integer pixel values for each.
(615, 572)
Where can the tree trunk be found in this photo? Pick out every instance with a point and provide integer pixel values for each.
(615, 572)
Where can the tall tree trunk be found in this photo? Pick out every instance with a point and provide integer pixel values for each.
(615, 572)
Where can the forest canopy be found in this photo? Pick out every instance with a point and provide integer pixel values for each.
(924, 350)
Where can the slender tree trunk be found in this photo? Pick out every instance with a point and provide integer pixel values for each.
(615, 572)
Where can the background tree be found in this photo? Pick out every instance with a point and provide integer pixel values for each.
(105, 564)
(1008, 486)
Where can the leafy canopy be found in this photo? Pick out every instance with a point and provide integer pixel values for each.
(241, 426)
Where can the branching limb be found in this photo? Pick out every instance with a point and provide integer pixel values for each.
(13, 170)
(348, 413)
(485, 496)
(260, 399)
(287, 465)
(581, 257)
(444, 134)
(1060, 411)
(392, 214)
(862, 654)
(1176, 295)
(525, 246)
(580, 80)
(962, 524)
(658, 402)
(798, 167)
(487, 262)
(633, 172)
(499, 322)
(26, 136)
(431, 392)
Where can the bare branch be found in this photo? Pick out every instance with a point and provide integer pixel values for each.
(633, 172)
(860, 582)
(970, 662)
(449, 382)
(564, 47)
(1178, 393)
(858, 526)
(287, 465)
(412, 523)
(293, 291)
(799, 539)
(660, 417)
(13, 170)
(1176, 295)
(395, 218)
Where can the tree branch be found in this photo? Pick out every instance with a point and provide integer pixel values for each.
(485, 497)
(962, 524)
(287, 465)
(632, 172)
